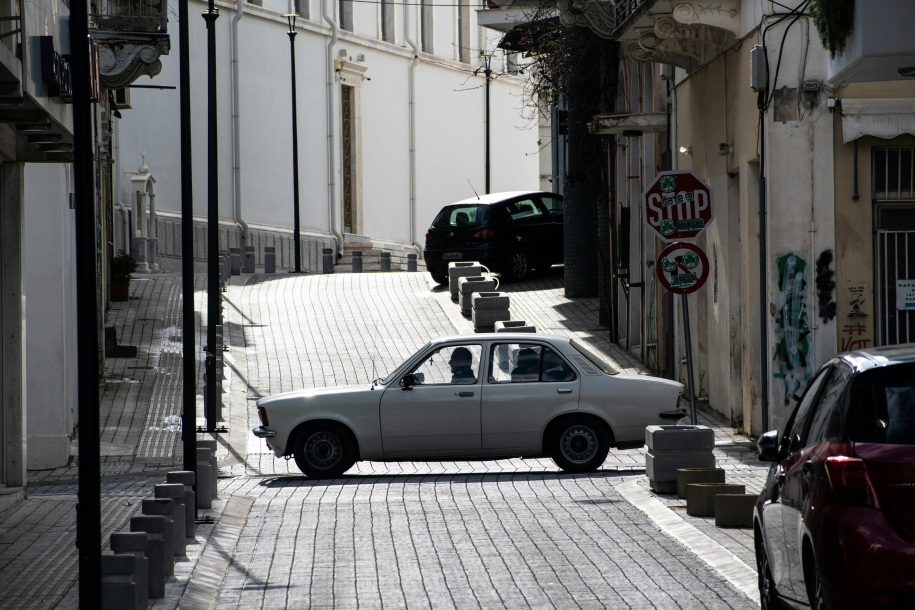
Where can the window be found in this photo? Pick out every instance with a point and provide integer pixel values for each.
(346, 15)
(393, 374)
(425, 25)
(826, 424)
(462, 216)
(302, 8)
(523, 210)
(883, 406)
(454, 364)
(893, 169)
(463, 28)
(794, 433)
(387, 20)
(593, 358)
(553, 206)
(525, 363)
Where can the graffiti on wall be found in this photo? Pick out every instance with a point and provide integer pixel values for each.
(852, 339)
(825, 282)
(792, 349)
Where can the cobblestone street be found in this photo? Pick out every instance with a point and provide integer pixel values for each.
(502, 534)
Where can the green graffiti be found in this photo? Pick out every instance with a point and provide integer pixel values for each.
(792, 349)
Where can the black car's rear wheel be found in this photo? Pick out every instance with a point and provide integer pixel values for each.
(768, 598)
(324, 451)
(517, 266)
(579, 445)
(439, 279)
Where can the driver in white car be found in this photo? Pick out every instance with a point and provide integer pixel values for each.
(461, 366)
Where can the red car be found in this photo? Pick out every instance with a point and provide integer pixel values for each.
(835, 523)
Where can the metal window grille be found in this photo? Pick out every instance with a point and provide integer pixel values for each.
(347, 141)
(129, 15)
(893, 169)
(895, 261)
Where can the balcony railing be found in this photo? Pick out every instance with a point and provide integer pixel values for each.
(625, 9)
(148, 16)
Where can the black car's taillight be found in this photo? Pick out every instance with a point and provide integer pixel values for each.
(851, 481)
(428, 237)
(484, 234)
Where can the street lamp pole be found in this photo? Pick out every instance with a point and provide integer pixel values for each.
(290, 18)
(487, 70)
(213, 296)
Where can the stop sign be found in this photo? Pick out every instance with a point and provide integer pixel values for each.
(678, 206)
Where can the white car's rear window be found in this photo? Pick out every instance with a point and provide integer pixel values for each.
(592, 358)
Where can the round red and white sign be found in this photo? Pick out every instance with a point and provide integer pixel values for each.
(682, 268)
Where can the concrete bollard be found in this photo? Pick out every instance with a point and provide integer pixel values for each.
(385, 262)
(735, 510)
(214, 472)
(154, 528)
(235, 261)
(674, 447)
(487, 308)
(459, 270)
(205, 481)
(247, 262)
(269, 259)
(700, 497)
(328, 262)
(165, 508)
(470, 284)
(186, 478)
(357, 261)
(688, 476)
(411, 262)
(136, 544)
(175, 492)
(514, 326)
(118, 588)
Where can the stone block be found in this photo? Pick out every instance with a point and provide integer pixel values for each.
(700, 497)
(488, 317)
(469, 285)
(459, 270)
(490, 300)
(734, 510)
(514, 326)
(671, 448)
(688, 476)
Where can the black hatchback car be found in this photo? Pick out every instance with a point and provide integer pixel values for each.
(512, 233)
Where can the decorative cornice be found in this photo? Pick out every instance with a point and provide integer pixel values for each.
(122, 61)
(724, 15)
(593, 14)
(686, 46)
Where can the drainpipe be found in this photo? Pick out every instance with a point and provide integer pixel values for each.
(117, 186)
(236, 118)
(331, 170)
(411, 88)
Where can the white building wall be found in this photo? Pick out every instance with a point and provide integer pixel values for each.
(49, 285)
(449, 123)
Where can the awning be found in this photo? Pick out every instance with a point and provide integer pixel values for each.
(881, 118)
(629, 124)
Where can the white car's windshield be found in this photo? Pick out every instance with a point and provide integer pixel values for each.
(396, 372)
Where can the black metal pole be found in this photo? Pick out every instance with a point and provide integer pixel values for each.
(188, 330)
(689, 362)
(488, 73)
(89, 509)
(295, 162)
(763, 272)
(213, 296)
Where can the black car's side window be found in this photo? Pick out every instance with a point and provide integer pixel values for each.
(883, 406)
(826, 424)
(553, 207)
(525, 209)
(794, 435)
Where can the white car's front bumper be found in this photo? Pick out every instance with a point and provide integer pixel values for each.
(262, 432)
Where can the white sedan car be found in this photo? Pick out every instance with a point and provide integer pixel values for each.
(473, 397)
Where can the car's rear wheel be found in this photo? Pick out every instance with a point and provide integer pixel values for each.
(439, 279)
(579, 445)
(517, 266)
(768, 598)
(324, 451)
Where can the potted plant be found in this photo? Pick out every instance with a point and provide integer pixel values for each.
(122, 266)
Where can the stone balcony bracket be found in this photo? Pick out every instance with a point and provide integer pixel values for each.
(123, 58)
(685, 45)
(596, 15)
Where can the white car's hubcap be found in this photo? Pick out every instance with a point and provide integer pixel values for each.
(579, 444)
(323, 450)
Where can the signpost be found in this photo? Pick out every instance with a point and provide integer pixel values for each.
(678, 206)
(683, 268)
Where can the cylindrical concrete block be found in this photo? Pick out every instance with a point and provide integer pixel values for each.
(269, 259)
(136, 544)
(357, 261)
(175, 492)
(214, 472)
(328, 262)
(205, 480)
(247, 263)
(154, 529)
(235, 257)
(164, 508)
(118, 588)
(385, 261)
(186, 478)
(411, 262)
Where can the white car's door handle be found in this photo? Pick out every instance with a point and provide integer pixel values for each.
(564, 390)
(463, 393)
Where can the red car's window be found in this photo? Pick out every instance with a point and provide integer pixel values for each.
(827, 419)
(883, 406)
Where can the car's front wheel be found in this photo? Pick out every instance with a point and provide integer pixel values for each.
(324, 451)
(579, 445)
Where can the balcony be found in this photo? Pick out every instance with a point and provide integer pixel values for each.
(879, 47)
(132, 35)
